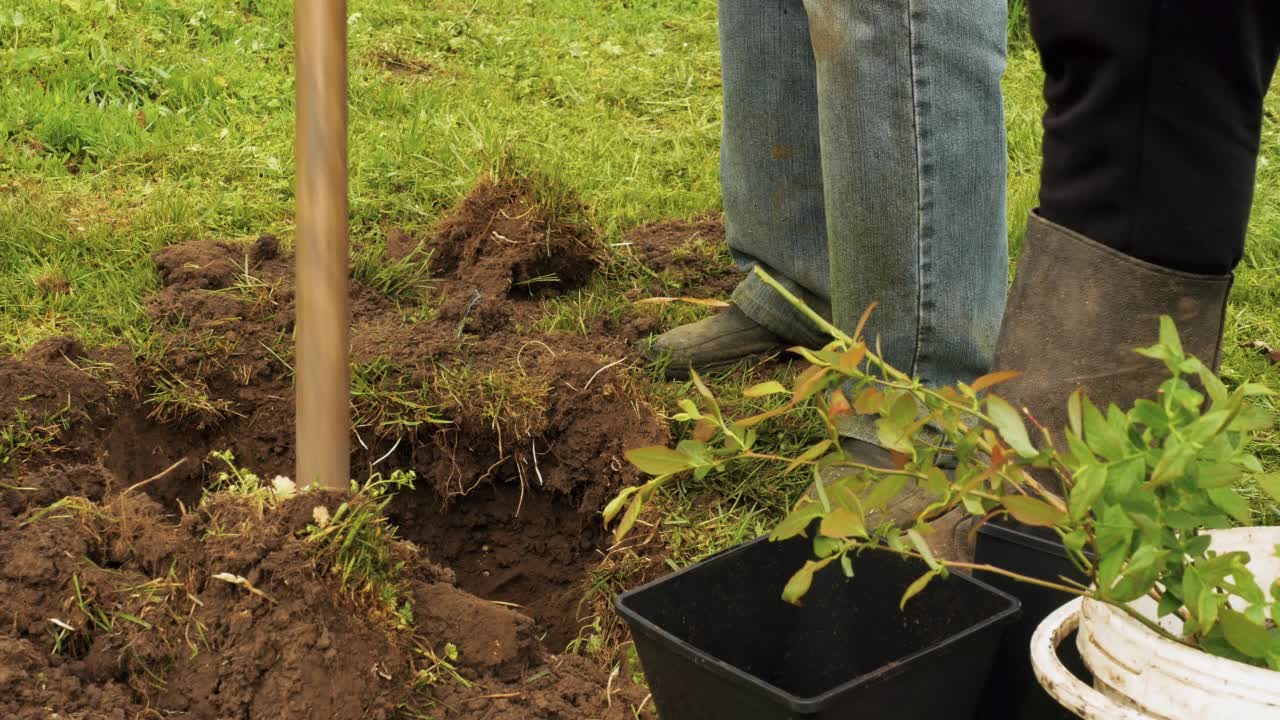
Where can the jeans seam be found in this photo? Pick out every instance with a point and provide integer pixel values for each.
(920, 221)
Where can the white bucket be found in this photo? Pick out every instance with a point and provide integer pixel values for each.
(1159, 678)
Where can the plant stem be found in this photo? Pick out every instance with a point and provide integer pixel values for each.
(799, 304)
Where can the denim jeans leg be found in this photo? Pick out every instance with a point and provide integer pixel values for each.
(771, 170)
(914, 167)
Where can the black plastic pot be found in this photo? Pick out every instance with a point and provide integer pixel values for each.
(1012, 691)
(718, 643)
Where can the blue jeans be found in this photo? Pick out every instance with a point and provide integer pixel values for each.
(863, 160)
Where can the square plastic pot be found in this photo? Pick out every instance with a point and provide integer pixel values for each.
(1012, 691)
(717, 642)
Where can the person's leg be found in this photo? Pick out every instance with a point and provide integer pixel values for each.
(770, 163)
(913, 159)
(863, 161)
(914, 167)
(1153, 123)
(772, 184)
(1151, 139)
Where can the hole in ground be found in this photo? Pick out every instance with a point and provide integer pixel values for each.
(537, 559)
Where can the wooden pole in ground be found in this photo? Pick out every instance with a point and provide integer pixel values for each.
(322, 375)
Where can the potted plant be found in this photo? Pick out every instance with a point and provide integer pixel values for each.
(1127, 493)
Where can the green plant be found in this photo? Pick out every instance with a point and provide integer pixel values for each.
(1137, 485)
(24, 435)
(356, 543)
(400, 279)
(384, 399)
(174, 398)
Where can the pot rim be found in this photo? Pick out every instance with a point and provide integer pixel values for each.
(816, 702)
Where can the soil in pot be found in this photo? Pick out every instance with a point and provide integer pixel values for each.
(717, 641)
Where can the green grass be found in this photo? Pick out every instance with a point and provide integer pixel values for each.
(131, 124)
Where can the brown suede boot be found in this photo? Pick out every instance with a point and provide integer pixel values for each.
(1078, 310)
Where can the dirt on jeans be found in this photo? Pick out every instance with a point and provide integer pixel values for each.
(516, 436)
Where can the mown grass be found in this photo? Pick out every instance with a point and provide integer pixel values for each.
(131, 124)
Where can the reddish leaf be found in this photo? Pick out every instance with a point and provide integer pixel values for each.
(808, 383)
(868, 402)
(899, 459)
(862, 321)
(839, 405)
(703, 431)
(851, 358)
(992, 379)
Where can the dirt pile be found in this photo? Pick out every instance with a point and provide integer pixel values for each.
(516, 436)
(229, 611)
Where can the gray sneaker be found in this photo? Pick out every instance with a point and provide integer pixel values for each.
(722, 339)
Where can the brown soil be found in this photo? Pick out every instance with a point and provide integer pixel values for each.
(687, 258)
(675, 259)
(516, 436)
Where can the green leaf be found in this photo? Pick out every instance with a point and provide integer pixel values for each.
(796, 522)
(1151, 415)
(1010, 426)
(1169, 604)
(1101, 437)
(846, 564)
(808, 456)
(902, 410)
(1209, 379)
(1090, 481)
(1217, 475)
(1032, 511)
(1230, 502)
(629, 519)
(1207, 604)
(1173, 462)
(1169, 336)
(893, 436)
(1245, 636)
(1079, 451)
(1074, 412)
(712, 404)
(691, 408)
(658, 460)
(615, 505)
(1251, 419)
(800, 583)
(798, 586)
(916, 587)
(1139, 574)
(882, 491)
(772, 387)
(936, 480)
(843, 523)
(1075, 541)
(1125, 477)
(1270, 484)
(923, 548)
(825, 547)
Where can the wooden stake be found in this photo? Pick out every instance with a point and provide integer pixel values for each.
(322, 379)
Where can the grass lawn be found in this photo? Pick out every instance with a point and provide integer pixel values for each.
(128, 125)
